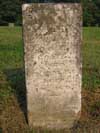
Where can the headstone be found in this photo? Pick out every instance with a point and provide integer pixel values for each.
(52, 41)
(11, 24)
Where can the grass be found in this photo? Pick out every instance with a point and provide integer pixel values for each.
(12, 83)
(91, 58)
(11, 48)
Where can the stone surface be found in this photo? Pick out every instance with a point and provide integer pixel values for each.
(52, 41)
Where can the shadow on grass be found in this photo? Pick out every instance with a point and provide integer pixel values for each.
(16, 79)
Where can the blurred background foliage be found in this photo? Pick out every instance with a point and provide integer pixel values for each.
(10, 10)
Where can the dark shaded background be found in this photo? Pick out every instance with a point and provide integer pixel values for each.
(10, 11)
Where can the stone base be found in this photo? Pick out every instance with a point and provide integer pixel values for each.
(53, 122)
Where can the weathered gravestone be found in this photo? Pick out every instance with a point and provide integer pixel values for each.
(52, 41)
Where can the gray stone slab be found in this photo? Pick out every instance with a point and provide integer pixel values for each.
(52, 40)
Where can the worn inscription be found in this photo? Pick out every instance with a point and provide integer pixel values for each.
(52, 40)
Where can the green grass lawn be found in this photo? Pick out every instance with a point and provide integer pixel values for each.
(12, 81)
(91, 58)
(11, 48)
